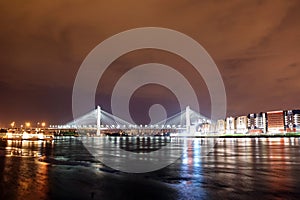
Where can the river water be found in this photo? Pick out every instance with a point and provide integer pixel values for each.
(242, 168)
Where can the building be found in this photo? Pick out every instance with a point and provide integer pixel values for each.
(296, 120)
(289, 123)
(205, 128)
(257, 123)
(261, 122)
(251, 122)
(221, 126)
(230, 125)
(292, 120)
(276, 122)
(242, 124)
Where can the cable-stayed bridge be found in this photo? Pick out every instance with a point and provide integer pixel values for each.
(100, 121)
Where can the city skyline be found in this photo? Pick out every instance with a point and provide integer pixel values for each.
(254, 44)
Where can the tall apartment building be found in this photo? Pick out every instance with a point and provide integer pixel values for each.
(221, 126)
(276, 121)
(261, 122)
(242, 124)
(257, 123)
(297, 120)
(292, 120)
(230, 125)
(251, 121)
(289, 123)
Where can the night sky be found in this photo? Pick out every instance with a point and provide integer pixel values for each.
(255, 44)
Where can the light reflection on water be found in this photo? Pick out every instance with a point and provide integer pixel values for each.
(240, 168)
(26, 148)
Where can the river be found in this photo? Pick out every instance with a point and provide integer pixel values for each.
(237, 168)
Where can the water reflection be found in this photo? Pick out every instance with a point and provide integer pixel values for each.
(25, 148)
(140, 144)
(21, 176)
(265, 167)
(235, 169)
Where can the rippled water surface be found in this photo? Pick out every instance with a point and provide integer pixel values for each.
(265, 168)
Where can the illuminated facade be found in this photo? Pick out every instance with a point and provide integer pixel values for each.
(251, 122)
(261, 122)
(289, 121)
(276, 122)
(292, 120)
(257, 123)
(242, 124)
(221, 126)
(230, 125)
(297, 120)
(205, 128)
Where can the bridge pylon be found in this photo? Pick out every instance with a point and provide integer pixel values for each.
(98, 120)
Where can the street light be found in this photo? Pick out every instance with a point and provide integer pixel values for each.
(12, 124)
(28, 126)
(43, 124)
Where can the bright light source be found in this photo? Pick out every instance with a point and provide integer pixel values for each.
(12, 124)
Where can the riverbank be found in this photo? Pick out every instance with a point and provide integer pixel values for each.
(250, 135)
(287, 135)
